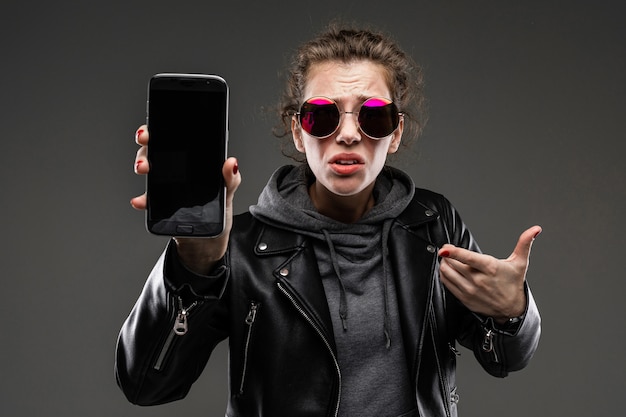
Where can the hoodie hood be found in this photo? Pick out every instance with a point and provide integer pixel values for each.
(285, 203)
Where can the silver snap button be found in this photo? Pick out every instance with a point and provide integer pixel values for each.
(262, 246)
(429, 213)
(284, 272)
(431, 248)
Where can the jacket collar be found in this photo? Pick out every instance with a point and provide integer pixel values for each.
(270, 243)
(416, 214)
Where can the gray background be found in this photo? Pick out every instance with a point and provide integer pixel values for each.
(527, 126)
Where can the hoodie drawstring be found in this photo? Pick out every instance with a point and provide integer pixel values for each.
(343, 301)
(384, 240)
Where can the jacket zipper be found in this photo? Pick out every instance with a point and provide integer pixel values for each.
(250, 318)
(179, 328)
(443, 381)
(321, 334)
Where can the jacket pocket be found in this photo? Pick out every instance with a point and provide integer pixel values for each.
(249, 323)
(179, 328)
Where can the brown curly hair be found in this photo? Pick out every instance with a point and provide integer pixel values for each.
(348, 44)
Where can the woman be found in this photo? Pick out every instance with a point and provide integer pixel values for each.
(345, 289)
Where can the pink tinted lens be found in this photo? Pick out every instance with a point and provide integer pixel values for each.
(378, 117)
(319, 116)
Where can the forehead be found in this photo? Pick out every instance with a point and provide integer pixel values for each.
(345, 80)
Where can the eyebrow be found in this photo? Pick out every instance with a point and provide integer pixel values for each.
(360, 98)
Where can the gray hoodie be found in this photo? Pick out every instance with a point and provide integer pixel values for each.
(353, 264)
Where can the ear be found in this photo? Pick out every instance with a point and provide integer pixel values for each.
(396, 137)
(296, 133)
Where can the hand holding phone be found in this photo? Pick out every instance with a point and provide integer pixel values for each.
(188, 123)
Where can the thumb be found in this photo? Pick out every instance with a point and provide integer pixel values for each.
(525, 242)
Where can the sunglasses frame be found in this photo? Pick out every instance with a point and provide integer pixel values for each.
(356, 113)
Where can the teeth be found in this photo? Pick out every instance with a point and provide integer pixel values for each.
(354, 161)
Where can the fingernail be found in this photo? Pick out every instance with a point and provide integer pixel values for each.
(138, 164)
(536, 234)
(444, 253)
(139, 132)
(235, 168)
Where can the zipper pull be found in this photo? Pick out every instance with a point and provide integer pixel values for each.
(180, 323)
(488, 341)
(488, 345)
(251, 314)
(454, 350)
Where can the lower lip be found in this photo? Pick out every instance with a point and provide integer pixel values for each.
(345, 169)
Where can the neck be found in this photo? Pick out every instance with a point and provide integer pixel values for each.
(345, 209)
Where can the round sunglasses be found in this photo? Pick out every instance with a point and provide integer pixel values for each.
(377, 117)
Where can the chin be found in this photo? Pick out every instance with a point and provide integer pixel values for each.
(347, 189)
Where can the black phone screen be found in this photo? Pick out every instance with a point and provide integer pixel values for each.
(187, 123)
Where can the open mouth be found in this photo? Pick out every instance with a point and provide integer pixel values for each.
(346, 163)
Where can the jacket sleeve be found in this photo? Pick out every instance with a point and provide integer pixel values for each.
(153, 363)
(499, 349)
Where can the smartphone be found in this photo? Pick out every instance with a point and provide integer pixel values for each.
(187, 118)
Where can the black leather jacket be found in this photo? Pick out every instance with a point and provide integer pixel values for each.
(267, 298)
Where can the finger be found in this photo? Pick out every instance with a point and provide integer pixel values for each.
(141, 165)
(141, 135)
(458, 267)
(232, 177)
(141, 161)
(453, 270)
(140, 202)
(453, 279)
(465, 256)
(525, 243)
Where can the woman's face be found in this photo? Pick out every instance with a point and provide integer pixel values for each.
(348, 162)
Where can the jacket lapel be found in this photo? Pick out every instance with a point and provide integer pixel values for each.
(298, 273)
(413, 258)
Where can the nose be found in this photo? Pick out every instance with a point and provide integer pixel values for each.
(348, 131)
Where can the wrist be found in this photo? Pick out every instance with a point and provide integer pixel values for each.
(197, 255)
(508, 321)
(514, 317)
